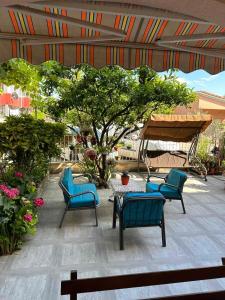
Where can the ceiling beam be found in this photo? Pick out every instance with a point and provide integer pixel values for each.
(69, 20)
(70, 40)
(208, 52)
(194, 37)
(122, 9)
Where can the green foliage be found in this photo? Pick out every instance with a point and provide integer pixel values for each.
(30, 143)
(112, 101)
(215, 131)
(203, 149)
(18, 209)
(19, 73)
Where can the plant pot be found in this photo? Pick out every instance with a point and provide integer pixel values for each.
(125, 179)
(212, 171)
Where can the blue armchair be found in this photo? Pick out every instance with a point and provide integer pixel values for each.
(139, 210)
(172, 187)
(77, 196)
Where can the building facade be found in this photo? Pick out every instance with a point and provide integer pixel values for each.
(206, 103)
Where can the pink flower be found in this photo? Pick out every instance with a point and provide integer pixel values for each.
(19, 174)
(27, 217)
(3, 187)
(39, 202)
(10, 193)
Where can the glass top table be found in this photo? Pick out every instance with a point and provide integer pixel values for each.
(119, 189)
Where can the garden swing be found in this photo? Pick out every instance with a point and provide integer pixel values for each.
(170, 141)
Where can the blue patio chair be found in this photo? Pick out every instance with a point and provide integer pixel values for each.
(139, 210)
(77, 196)
(172, 188)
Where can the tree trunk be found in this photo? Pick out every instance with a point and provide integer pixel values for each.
(102, 171)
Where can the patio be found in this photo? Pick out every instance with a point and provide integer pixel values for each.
(194, 239)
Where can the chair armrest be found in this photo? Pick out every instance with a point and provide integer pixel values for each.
(156, 176)
(83, 193)
(170, 185)
(75, 195)
(83, 175)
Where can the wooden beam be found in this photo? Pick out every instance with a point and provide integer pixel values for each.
(69, 20)
(208, 52)
(194, 37)
(123, 9)
(70, 40)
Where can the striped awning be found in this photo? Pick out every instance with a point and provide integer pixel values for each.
(162, 34)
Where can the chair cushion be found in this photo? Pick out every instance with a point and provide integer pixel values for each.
(141, 195)
(86, 199)
(177, 178)
(142, 209)
(166, 191)
(67, 179)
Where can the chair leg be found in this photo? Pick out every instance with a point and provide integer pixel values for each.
(114, 214)
(96, 216)
(182, 202)
(163, 232)
(121, 235)
(63, 216)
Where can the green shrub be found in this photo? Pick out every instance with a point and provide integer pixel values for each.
(29, 144)
(18, 209)
(203, 148)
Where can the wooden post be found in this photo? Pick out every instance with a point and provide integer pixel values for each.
(73, 276)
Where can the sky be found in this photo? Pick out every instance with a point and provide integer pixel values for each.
(202, 81)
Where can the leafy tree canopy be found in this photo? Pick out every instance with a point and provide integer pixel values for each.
(111, 99)
(111, 102)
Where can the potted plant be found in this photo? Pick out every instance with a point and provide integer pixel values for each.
(212, 166)
(125, 178)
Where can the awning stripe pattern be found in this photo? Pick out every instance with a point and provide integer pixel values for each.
(139, 46)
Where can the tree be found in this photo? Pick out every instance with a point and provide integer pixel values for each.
(22, 75)
(110, 101)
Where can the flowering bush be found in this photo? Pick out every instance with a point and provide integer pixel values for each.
(18, 210)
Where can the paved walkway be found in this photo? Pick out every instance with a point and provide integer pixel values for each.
(194, 239)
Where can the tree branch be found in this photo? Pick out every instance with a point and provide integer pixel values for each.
(95, 131)
(119, 137)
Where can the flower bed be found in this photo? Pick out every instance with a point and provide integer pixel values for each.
(18, 210)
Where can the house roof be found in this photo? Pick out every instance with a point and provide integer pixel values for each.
(211, 95)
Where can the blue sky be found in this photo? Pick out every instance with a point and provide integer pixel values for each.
(202, 81)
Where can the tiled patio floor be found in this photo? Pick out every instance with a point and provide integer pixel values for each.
(194, 239)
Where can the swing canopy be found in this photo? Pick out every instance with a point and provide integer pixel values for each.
(175, 128)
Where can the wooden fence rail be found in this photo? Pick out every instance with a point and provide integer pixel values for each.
(75, 286)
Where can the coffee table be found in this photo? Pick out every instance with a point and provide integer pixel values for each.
(119, 189)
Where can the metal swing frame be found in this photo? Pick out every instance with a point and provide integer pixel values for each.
(191, 161)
